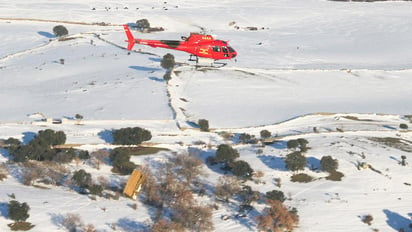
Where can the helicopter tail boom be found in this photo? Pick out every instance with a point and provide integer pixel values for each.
(130, 39)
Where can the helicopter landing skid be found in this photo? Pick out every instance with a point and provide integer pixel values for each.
(206, 62)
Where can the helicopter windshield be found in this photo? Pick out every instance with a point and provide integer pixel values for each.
(231, 49)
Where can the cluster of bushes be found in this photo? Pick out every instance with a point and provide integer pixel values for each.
(83, 180)
(40, 148)
(120, 158)
(298, 143)
(19, 213)
(131, 136)
(227, 155)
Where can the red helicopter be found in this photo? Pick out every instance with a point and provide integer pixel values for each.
(198, 45)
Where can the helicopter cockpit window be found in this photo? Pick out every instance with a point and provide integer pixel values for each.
(231, 49)
(216, 48)
(224, 49)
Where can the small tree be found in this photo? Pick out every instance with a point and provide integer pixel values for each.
(204, 124)
(403, 162)
(96, 189)
(120, 158)
(78, 117)
(328, 164)
(143, 24)
(225, 153)
(264, 134)
(18, 212)
(403, 126)
(292, 144)
(60, 31)
(295, 161)
(82, 179)
(168, 62)
(276, 195)
(241, 169)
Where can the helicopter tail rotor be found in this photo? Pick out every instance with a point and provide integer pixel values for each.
(130, 39)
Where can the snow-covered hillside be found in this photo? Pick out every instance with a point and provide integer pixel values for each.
(335, 73)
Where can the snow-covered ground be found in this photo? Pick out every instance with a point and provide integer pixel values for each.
(307, 57)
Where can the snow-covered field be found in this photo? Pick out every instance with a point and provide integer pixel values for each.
(311, 63)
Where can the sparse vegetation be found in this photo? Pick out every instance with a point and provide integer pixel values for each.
(226, 187)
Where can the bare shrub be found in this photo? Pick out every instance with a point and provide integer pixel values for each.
(277, 217)
(99, 157)
(367, 219)
(151, 190)
(47, 172)
(89, 228)
(103, 181)
(3, 172)
(226, 187)
(72, 221)
(193, 217)
(166, 226)
(189, 167)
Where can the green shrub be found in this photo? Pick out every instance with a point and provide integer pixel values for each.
(60, 30)
(328, 164)
(82, 179)
(143, 24)
(40, 147)
(301, 178)
(335, 176)
(168, 62)
(96, 189)
(131, 136)
(120, 158)
(225, 153)
(203, 124)
(295, 161)
(20, 226)
(403, 126)
(241, 169)
(276, 195)
(18, 212)
(265, 134)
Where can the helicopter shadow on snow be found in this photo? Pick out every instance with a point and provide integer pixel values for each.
(145, 68)
(46, 34)
(396, 221)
